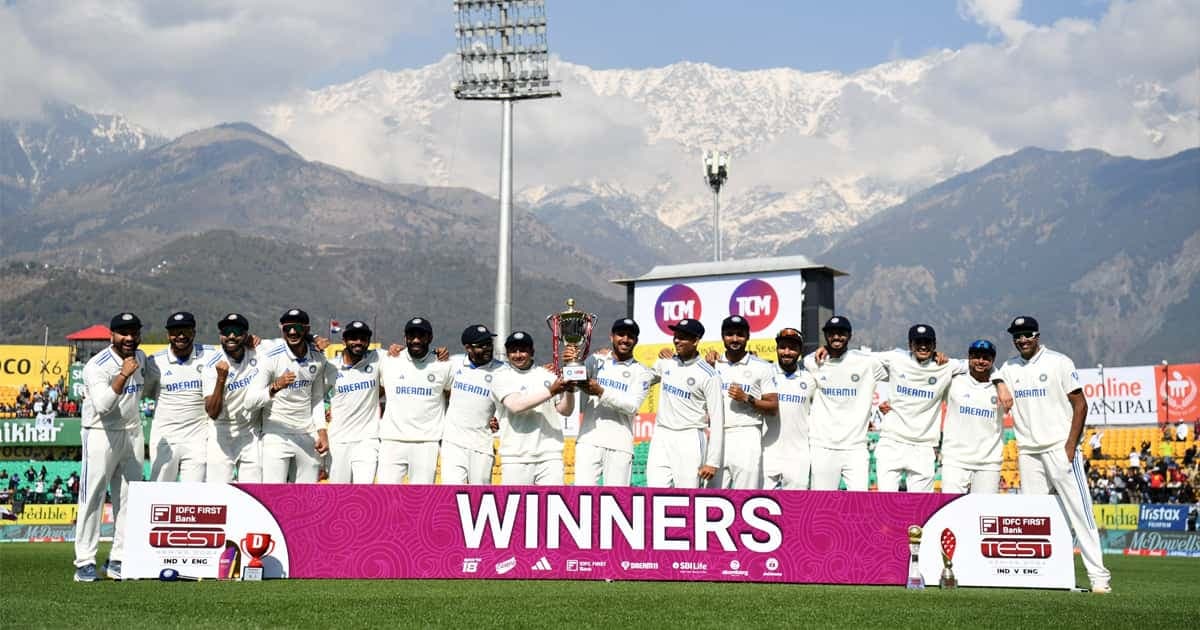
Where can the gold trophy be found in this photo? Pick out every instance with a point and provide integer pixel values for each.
(915, 581)
(571, 328)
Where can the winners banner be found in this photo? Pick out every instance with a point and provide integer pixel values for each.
(385, 531)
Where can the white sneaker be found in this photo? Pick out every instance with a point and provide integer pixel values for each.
(1101, 587)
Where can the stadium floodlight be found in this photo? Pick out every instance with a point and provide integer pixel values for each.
(716, 171)
(503, 56)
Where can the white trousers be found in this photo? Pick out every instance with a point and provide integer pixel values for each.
(893, 458)
(231, 446)
(547, 473)
(786, 470)
(282, 452)
(462, 466)
(592, 462)
(830, 466)
(177, 461)
(110, 459)
(353, 462)
(743, 469)
(675, 458)
(417, 460)
(1043, 472)
(960, 480)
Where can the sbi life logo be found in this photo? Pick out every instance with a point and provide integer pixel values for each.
(678, 302)
(757, 302)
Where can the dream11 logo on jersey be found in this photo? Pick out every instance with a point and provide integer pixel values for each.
(756, 301)
(678, 302)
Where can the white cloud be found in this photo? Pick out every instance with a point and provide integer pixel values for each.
(1000, 16)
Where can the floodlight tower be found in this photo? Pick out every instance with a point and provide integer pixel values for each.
(716, 171)
(503, 57)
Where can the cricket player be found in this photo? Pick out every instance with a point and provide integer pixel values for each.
(114, 381)
(292, 375)
(467, 454)
(531, 442)
(786, 459)
(841, 410)
(235, 434)
(1049, 411)
(973, 431)
(690, 401)
(416, 384)
(353, 380)
(179, 433)
(614, 392)
(749, 384)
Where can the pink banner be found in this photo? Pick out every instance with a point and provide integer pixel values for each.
(379, 531)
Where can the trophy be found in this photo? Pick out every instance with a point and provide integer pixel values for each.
(571, 328)
(915, 581)
(949, 542)
(229, 566)
(256, 546)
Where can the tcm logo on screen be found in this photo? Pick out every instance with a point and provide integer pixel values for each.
(757, 302)
(677, 302)
(1015, 547)
(187, 537)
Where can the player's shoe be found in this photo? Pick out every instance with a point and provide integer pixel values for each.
(1101, 587)
(86, 573)
(112, 569)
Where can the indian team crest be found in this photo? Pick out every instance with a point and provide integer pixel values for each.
(431, 378)
(369, 369)
(855, 377)
(546, 384)
(803, 385)
(933, 380)
(487, 378)
(625, 374)
(199, 368)
(312, 369)
(1042, 377)
(691, 381)
(253, 362)
(994, 400)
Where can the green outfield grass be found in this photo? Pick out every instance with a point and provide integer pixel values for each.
(36, 591)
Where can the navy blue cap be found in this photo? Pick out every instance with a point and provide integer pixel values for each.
(233, 320)
(627, 324)
(735, 322)
(180, 319)
(982, 345)
(356, 327)
(922, 331)
(519, 338)
(1023, 323)
(688, 327)
(477, 333)
(837, 322)
(418, 324)
(294, 316)
(121, 321)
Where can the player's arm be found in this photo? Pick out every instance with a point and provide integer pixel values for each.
(316, 400)
(152, 377)
(1069, 378)
(566, 402)
(714, 454)
(213, 380)
(627, 402)
(103, 390)
(768, 401)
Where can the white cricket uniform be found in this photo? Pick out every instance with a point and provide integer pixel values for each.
(467, 453)
(604, 448)
(838, 418)
(531, 442)
(786, 460)
(1042, 416)
(354, 419)
(179, 431)
(743, 466)
(294, 414)
(909, 435)
(414, 416)
(234, 436)
(688, 402)
(972, 437)
(111, 436)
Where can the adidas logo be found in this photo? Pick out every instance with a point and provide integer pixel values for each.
(542, 565)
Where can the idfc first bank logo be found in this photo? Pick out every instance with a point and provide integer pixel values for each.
(756, 301)
(678, 302)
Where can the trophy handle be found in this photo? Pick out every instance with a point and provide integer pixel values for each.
(553, 322)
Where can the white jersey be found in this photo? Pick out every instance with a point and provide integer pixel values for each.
(608, 418)
(413, 388)
(472, 405)
(756, 377)
(531, 436)
(841, 406)
(786, 433)
(179, 415)
(104, 409)
(917, 392)
(299, 407)
(973, 433)
(354, 401)
(690, 398)
(1041, 411)
(242, 404)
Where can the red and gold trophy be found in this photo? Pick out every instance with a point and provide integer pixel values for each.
(949, 543)
(256, 546)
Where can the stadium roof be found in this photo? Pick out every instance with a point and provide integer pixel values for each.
(729, 267)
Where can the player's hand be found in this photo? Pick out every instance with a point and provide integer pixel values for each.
(711, 357)
(222, 368)
(604, 352)
(1004, 397)
(1070, 450)
(570, 353)
(885, 407)
(593, 387)
(666, 353)
(549, 367)
(320, 343)
(820, 355)
(282, 382)
(737, 393)
(940, 358)
(558, 386)
(252, 341)
(129, 367)
(707, 472)
(442, 353)
(322, 442)
(494, 424)
(395, 349)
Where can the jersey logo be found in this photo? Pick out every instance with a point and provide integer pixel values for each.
(1042, 377)
(431, 378)
(932, 380)
(691, 381)
(487, 378)
(803, 385)
(625, 374)
(369, 369)
(855, 377)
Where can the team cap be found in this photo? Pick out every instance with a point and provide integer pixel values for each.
(837, 322)
(982, 345)
(735, 322)
(294, 316)
(627, 324)
(123, 321)
(920, 332)
(418, 324)
(476, 334)
(356, 328)
(691, 327)
(519, 338)
(1023, 323)
(234, 320)
(789, 333)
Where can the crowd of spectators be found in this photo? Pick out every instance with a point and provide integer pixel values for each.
(1146, 477)
(34, 487)
(48, 401)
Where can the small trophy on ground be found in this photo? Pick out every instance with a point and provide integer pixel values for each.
(256, 546)
(571, 328)
(949, 543)
(915, 581)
